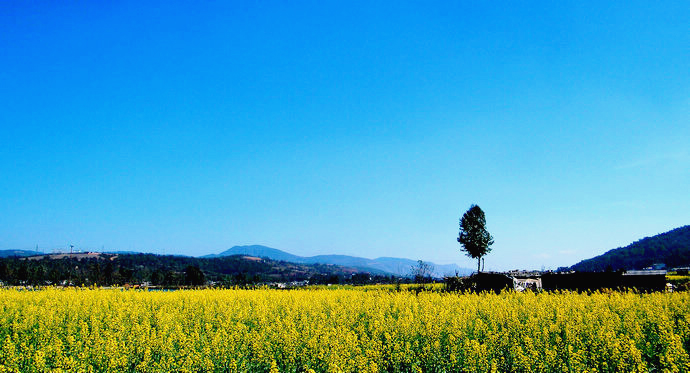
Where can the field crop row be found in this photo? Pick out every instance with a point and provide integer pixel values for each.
(343, 330)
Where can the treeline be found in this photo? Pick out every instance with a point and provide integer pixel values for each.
(671, 248)
(172, 271)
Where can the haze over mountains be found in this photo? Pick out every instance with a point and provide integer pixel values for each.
(383, 265)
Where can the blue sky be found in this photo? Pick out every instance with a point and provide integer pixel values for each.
(360, 128)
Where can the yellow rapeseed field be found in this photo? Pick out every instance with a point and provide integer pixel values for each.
(342, 330)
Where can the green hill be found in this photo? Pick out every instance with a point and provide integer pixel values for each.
(671, 248)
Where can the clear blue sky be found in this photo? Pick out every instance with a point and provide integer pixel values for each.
(361, 128)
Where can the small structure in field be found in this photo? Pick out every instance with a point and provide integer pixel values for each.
(529, 283)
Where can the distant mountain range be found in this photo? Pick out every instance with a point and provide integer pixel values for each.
(671, 248)
(383, 265)
(11, 253)
(379, 266)
(173, 271)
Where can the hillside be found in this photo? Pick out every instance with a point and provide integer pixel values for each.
(380, 266)
(671, 248)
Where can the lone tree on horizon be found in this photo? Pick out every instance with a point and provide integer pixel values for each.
(474, 237)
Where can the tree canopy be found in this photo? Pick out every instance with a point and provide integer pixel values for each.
(474, 238)
(171, 271)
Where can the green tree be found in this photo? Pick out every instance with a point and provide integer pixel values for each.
(474, 238)
(194, 276)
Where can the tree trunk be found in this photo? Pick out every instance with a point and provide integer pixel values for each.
(479, 260)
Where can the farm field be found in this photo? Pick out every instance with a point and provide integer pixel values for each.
(364, 329)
